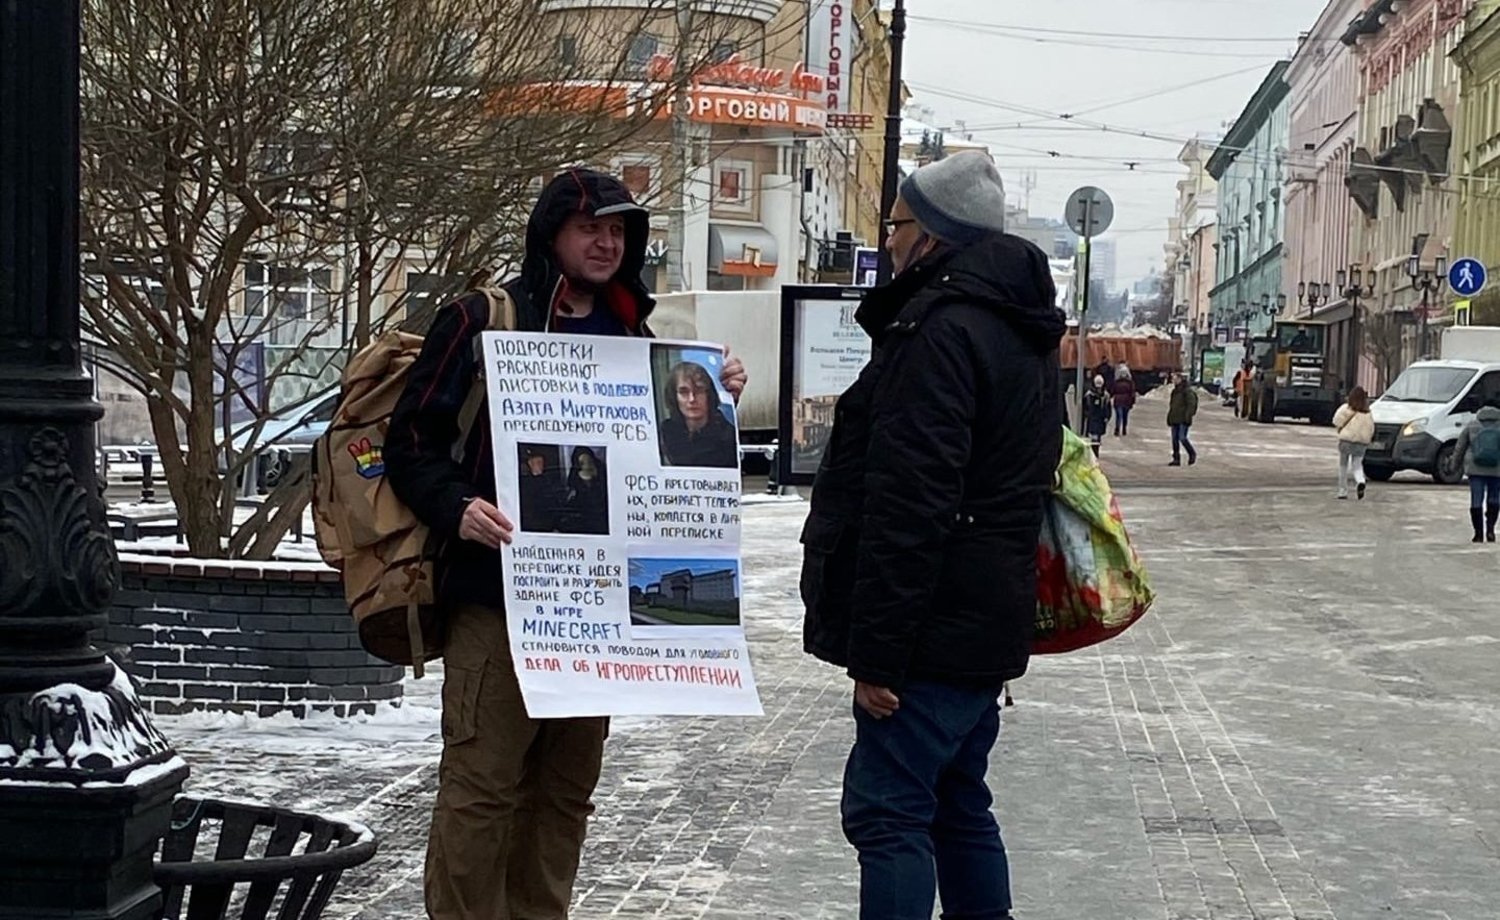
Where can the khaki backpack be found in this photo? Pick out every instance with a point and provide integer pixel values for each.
(383, 551)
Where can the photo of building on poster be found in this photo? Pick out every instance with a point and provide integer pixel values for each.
(678, 593)
(564, 489)
(695, 414)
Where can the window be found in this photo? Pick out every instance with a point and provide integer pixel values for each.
(637, 178)
(642, 48)
(734, 187)
(567, 50)
(291, 293)
(723, 51)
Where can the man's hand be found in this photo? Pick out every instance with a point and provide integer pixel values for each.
(879, 702)
(483, 523)
(733, 376)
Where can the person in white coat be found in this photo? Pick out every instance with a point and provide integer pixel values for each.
(1356, 428)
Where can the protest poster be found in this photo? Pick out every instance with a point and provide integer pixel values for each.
(823, 351)
(618, 462)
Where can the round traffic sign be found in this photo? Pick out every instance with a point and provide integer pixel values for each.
(1089, 212)
(1467, 277)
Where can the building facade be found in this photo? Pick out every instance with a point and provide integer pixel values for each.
(1324, 80)
(1190, 251)
(1477, 230)
(1400, 172)
(1250, 166)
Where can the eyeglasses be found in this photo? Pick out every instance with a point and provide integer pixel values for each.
(691, 392)
(891, 226)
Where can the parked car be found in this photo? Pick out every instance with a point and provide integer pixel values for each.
(286, 434)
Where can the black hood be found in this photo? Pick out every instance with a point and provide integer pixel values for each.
(582, 191)
(1004, 272)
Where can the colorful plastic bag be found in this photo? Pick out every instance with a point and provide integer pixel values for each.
(1091, 584)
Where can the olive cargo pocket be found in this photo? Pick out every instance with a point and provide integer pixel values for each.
(461, 688)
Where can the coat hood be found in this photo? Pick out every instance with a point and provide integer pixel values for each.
(584, 191)
(1489, 415)
(1006, 273)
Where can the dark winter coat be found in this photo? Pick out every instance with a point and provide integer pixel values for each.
(1124, 393)
(424, 427)
(1096, 410)
(920, 548)
(1182, 405)
(715, 445)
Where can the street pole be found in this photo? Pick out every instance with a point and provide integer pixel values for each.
(679, 156)
(86, 781)
(892, 167)
(1080, 376)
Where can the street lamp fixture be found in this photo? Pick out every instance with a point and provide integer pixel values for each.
(1426, 282)
(1311, 295)
(1349, 287)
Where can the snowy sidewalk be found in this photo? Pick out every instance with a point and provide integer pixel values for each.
(1305, 727)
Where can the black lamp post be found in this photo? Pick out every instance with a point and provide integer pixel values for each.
(1426, 282)
(1311, 295)
(1354, 287)
(1272, 306)
(86, 782)
(892, 167)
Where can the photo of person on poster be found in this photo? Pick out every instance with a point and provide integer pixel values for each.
(566, 498)
(696, 420)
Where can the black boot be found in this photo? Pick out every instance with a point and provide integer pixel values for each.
(1476, 515)
(1490, 517)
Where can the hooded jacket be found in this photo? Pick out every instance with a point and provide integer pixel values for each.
(1487, 418)
(920, 548)
(419, 448)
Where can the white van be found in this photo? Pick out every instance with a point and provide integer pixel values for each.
(1420, 416)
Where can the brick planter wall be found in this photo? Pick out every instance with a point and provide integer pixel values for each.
(241, 637)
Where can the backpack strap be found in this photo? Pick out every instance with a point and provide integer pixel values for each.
(502, 318)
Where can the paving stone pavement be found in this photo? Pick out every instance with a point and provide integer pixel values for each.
(1304, 728)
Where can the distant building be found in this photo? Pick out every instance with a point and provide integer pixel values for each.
(684, 588)
(1250, 167)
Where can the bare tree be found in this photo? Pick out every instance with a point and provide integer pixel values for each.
(1384, 337)
(259, 173)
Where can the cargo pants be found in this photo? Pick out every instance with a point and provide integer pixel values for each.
(514, 793)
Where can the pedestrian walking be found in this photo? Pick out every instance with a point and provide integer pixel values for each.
(1241, 386)
(1479, 446)
(919, 572)
(1356, 428)
(1096, 409)
(514, 793)
(1182, 406)
(1124, 394)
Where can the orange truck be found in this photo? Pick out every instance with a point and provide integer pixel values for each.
(1152, 359)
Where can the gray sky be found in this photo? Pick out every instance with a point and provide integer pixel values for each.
(992, 60)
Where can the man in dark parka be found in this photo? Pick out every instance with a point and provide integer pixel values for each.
(919, 572)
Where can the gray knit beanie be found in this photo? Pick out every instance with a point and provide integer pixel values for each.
(959, 199)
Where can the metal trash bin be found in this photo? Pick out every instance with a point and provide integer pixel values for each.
(224, 859)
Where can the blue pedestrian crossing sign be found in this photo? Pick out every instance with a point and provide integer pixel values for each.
(1467, 277)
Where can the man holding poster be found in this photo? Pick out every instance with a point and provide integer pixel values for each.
(514, 793)
(919, 574)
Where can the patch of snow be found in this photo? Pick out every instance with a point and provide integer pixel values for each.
(101, 732)
(762, 498)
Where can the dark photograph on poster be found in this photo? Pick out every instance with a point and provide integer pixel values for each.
(564, 489)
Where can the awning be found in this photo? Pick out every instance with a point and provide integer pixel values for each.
(1340, 311)
(741, 249)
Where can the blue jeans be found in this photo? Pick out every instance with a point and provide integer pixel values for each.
(1122, 420)
(917, 808)
(1482, 486)
(1180, 440)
